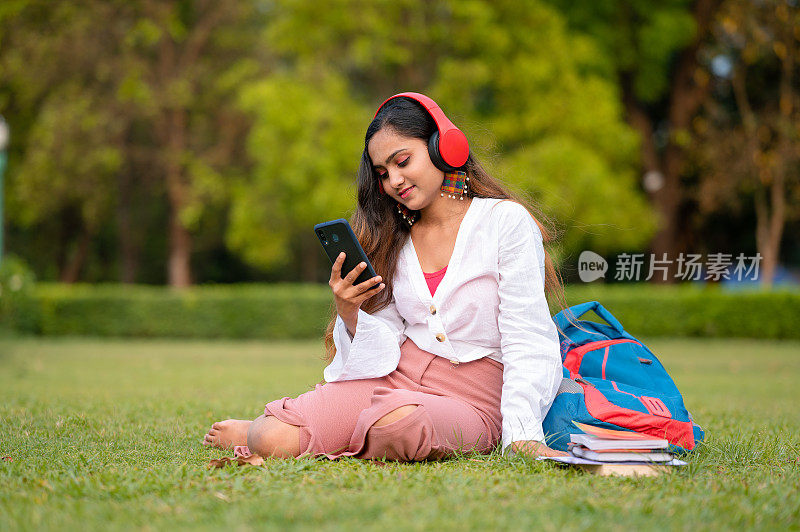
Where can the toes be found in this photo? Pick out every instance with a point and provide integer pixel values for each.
(217, 425)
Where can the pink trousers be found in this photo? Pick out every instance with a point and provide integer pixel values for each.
(458, 410)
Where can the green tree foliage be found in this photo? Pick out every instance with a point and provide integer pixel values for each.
(59, 78)
(548, 107)
(639, 38)
(69, 161)
(749, 134)
(186, 60)
(653, 49)
(533, 98)
(116, 96)
(304, 144)
(240, 123)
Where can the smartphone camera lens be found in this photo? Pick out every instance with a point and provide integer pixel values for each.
(335, 237)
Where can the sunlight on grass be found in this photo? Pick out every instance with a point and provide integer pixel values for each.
(105, 434)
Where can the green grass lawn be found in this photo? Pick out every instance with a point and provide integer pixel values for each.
(106, 435)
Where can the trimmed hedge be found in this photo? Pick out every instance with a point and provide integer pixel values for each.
(222, 311)
(697, 311)
(284, 311)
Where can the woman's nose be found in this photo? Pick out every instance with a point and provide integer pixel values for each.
(395, 179)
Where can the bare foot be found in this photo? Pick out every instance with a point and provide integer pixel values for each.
(227, 434)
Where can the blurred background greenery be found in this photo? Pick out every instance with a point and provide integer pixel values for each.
(198, 141)
(169, 158)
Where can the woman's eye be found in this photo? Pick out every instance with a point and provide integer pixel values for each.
(382, 174)
(403, 162)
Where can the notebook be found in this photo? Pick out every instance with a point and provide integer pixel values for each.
(621, 456)
(594, 443)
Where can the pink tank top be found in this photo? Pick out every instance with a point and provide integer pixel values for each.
(433, 279)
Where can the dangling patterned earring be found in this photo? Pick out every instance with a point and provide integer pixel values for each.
(455, 184)
(409, 217)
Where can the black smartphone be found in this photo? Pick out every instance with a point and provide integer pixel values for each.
(337, 236)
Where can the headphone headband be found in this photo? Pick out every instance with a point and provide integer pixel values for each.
(448, 147)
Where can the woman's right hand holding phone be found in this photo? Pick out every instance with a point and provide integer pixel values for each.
(348, 296)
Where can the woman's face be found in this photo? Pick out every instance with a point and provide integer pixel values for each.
(405, 168)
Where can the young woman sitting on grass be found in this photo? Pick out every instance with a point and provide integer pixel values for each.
(455, 348)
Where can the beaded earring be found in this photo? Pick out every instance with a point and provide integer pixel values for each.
(409, 217)
(455, 184)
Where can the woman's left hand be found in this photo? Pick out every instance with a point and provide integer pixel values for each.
(534, 448)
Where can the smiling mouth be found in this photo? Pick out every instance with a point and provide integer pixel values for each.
(405, 192)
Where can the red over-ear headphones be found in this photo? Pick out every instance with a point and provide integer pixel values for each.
(448, 147)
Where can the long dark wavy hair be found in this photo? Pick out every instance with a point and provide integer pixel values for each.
(379, 227)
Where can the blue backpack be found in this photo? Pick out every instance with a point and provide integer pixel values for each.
(612, 380)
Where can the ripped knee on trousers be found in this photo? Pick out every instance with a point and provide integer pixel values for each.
(395, 415)
(407, 435)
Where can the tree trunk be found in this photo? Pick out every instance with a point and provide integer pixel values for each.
(665, 205)
(180, 250)
(171, 130)
(772, 225)
(178, 61)
(665, 196)
(129, 251)
(769, 177)
(686, 96)
(72, 270)
(180, 241)
(310, 251)
(770, 219)
(641, 122)
(668, 201)
(771, 216)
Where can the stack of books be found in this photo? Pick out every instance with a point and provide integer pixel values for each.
(615, 452)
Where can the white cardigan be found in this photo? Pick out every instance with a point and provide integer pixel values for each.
(490, 303)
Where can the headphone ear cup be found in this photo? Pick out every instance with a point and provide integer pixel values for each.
(436, 157)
